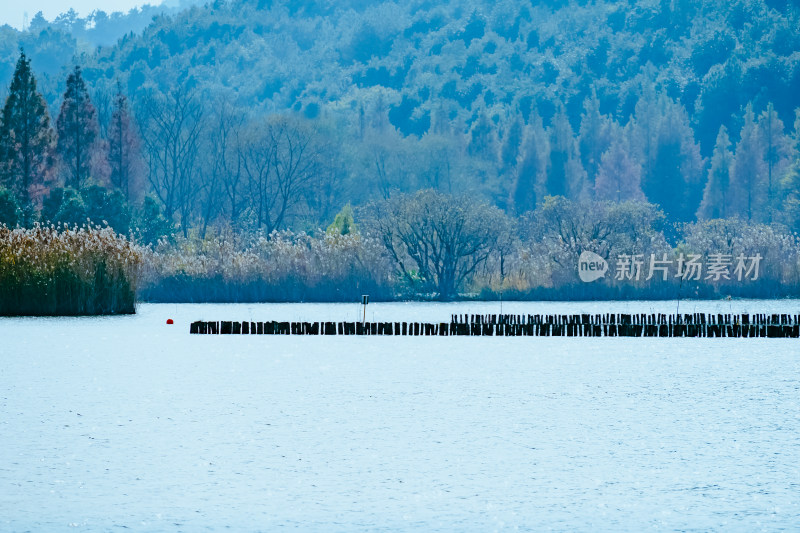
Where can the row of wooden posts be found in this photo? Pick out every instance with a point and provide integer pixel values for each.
(583, 325)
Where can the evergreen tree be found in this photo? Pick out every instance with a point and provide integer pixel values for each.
(106, 207)
(441, 122)
(790, 181)
(343, 223)
(25, 138)
(595, 137)
(790, 191)
(531, 170)
(52, 203)
(619, 176)
(648, 115)
(512, 142)
(3, 154)
(151, 224)
(10, 213)
(777, 153)
(565, 176)
(795, 140)
(672, 179)
(72, 211)
(716, 196)
(749, 172)
(124, 150)
(77, 130)
(483, 139)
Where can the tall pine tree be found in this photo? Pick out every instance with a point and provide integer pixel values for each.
(795, 141)
(512, 143)
(777, 153)
(565, 175)
(483, 139)
(670, 157)
(648, 115)
(531, 170)
(749, 176)
(26, 137)
(619, 176)
(77, 130)
(790, 181)
(595, 137)
(716, 196)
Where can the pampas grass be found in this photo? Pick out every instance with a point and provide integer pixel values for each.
(49, 270)
(283, 267)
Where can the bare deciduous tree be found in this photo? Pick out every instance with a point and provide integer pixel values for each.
(172, 127)
(437, 241)
(280, 158)
(223, 181)
(126, 168)
(560, 230)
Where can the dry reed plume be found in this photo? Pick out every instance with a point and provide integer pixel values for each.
(48, 270)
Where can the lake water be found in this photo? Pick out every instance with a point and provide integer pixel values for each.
(127, 423)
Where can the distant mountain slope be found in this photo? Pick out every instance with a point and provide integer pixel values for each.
(460, 58)
(54, 45)
(424, 62)
(693, 106)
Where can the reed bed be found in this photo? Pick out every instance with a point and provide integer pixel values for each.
(281, 267)
(49, 270)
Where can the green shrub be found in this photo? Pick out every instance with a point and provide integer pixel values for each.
(10, 213)
(151, 224)
(93, 204)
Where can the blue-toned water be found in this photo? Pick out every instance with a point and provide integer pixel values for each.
(127, 423)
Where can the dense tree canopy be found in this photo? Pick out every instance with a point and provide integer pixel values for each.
(466, 57)
(265, 116)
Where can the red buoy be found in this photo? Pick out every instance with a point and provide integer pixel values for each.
(169, 321)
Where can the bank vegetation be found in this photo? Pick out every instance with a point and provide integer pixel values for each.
(49, 270)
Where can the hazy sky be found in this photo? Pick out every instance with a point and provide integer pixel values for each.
(12, 11)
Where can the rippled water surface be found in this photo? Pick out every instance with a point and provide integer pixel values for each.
(125, 422)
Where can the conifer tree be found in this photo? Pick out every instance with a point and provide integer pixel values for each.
(795, 140)
(26, 137)
(124, 146)
(716, 195)
(77, 130)
(648, 115)
(512, 143)
(619, 176)
(790, 203)
(565, 175)
(483, 139)
(777, 153)
(532, 167)
(749, 174)
(790, 181)
(441, 122)
(672, 178)
(595, 137)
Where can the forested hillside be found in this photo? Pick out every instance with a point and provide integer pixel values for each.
(271, 115)
(516, 80)
(451, 62)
